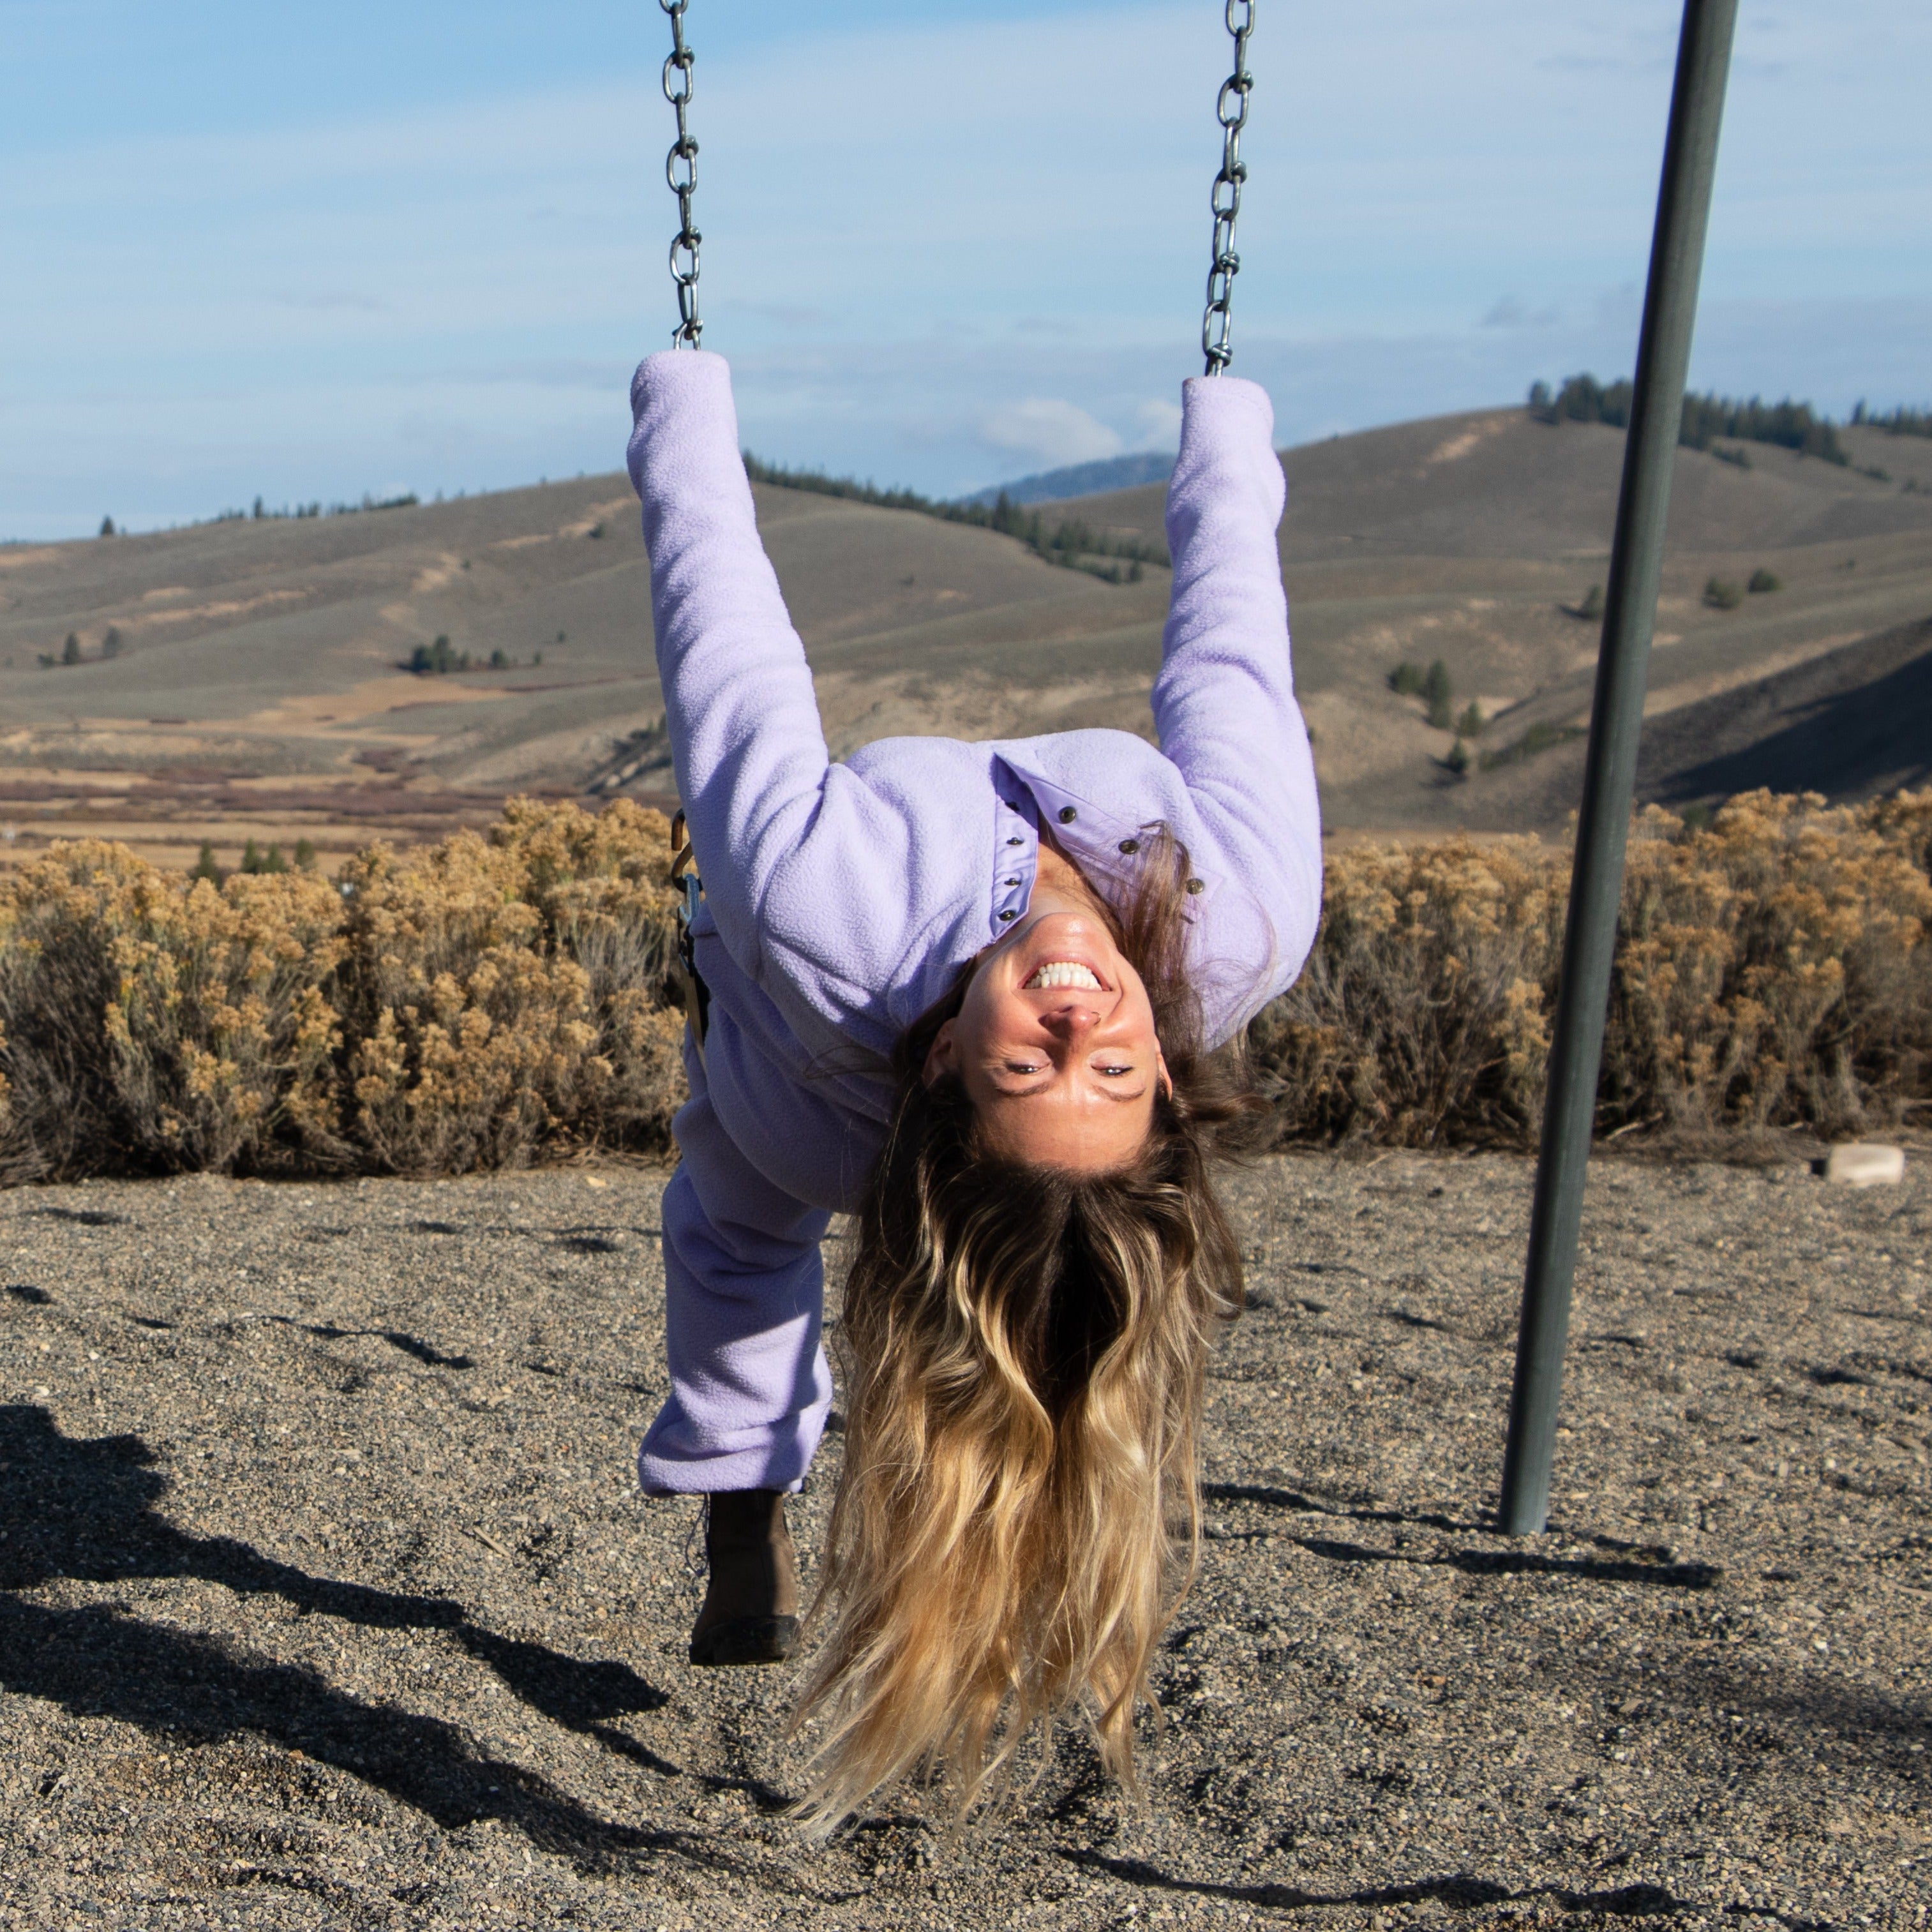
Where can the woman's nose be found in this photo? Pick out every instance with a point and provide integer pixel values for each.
(1073, 1021)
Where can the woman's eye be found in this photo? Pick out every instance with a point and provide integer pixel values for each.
(1115, 1073)
(1023, 1066)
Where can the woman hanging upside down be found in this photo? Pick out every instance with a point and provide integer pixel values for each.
(989, 998)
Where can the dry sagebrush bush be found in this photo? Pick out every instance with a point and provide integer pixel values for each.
(483, 1002)
(1771, 971)
(507, 995)
(472, 1003)
(154, 1021)
(1421, 1016)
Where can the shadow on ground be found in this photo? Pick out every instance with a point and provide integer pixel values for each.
(83, 1509)
(1646, 1564)
(1459, 1890)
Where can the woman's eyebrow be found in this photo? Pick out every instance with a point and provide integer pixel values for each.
(1114, 1094)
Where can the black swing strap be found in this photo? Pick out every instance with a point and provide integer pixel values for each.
(684, 873)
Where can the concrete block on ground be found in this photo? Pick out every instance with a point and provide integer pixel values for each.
(1865, 1164)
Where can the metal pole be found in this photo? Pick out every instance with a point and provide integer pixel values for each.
(1616, 716)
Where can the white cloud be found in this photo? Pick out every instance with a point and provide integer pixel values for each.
(1159, 425)
(1050, 431)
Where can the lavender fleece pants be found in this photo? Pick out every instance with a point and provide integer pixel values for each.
(743, 1308)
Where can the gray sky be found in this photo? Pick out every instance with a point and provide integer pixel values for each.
(311, 252)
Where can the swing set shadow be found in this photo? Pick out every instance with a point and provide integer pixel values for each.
(1459, 1890)
(1648, 1564)
(83, 1509)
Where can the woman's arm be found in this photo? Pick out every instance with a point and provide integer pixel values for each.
(804, 866)
(1224, 702)
(746, 743)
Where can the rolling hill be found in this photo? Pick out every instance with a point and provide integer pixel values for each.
(259, 685)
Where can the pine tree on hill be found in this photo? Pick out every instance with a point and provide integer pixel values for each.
(1789, 424)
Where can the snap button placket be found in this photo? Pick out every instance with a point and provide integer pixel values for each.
(1015, 846)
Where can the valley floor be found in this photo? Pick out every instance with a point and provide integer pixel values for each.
(326, 1598)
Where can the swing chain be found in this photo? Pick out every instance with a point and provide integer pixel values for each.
(681, 180)
(1230, 109)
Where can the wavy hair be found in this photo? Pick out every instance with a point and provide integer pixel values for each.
(1019, 1510)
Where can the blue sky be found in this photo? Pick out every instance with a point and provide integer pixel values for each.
(309, 252)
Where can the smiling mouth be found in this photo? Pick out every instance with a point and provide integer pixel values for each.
(1059, 972)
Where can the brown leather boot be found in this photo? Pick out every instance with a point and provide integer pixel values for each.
(751, 1601)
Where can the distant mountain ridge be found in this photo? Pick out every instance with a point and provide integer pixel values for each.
(1081, 479)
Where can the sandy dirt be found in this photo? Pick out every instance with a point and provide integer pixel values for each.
(326, 1599)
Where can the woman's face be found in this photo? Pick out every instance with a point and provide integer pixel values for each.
(1055, 1047)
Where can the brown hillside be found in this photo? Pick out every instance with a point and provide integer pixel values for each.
(1471, 538)
(1853, 724)
(260, 688)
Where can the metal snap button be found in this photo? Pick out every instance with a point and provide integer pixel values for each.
(1011, 882)
(1004, 916)
(1067, 814)
(1015, 841)
(1195, 885)
(1130, 846)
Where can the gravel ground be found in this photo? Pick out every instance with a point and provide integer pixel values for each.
(326, 1600)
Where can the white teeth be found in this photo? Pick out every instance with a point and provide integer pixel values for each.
(1058, 972)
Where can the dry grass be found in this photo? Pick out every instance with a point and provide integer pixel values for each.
(487, 1002)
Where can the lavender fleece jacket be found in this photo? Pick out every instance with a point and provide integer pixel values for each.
(842, 900)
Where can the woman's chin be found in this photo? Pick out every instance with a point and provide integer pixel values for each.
(1065, 938)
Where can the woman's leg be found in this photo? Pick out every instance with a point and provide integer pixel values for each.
(750, 1389)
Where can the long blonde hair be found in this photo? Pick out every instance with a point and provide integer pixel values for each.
(1018, 1509)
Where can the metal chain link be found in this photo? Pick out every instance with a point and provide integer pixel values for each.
(677, 83)
(1230, 109)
